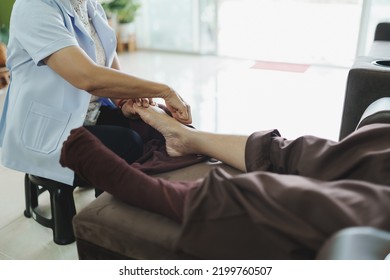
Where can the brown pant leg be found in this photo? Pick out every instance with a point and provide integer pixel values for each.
(263, 215)
(364, 155)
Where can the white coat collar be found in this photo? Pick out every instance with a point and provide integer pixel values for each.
(91, 6)
(97, 16)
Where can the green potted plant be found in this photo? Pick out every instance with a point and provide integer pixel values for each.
(126, 18)
(124, 13)
(3, 34)
(128, 12)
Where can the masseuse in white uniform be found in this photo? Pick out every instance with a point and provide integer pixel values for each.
(65, 74)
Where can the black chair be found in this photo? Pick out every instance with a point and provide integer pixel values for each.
(367, 80)
(382, 32)
(61, 205)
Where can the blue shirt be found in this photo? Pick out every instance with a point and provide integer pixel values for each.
(41, 108)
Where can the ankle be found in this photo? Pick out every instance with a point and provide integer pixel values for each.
(192, 139)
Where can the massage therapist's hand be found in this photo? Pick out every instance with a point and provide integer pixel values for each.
(128, 110)
(180, 110)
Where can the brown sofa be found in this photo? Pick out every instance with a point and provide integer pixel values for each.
(110, 229)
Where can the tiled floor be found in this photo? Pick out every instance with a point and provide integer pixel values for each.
(226, 95)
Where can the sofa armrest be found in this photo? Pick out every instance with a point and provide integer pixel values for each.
(110, 229)
(366, 83)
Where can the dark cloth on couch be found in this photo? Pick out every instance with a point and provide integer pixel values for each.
(98, 165)
(296, 194)
(153, 157)
(137, 143)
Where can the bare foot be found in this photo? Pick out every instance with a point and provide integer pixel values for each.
(174, 132)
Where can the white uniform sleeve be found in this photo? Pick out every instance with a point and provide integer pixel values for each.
(40, 28)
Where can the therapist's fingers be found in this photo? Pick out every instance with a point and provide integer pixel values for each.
(127, 108)
(144, 102)
(179, 108)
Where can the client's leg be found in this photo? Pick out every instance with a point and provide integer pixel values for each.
(91, 160)
(181, 139)
(357, 157)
